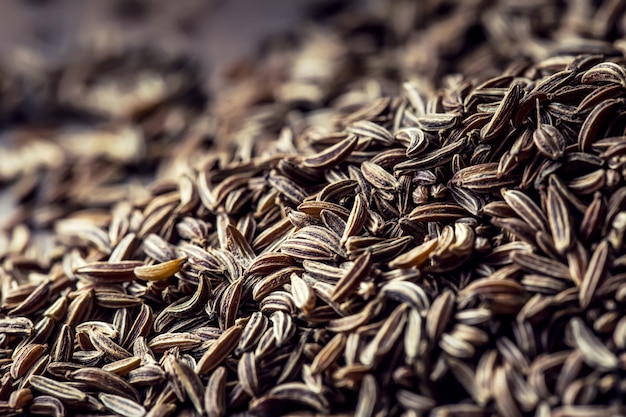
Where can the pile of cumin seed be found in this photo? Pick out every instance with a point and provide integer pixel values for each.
(393, 249)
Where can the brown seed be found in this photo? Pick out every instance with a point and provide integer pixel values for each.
(184, 341)
(60, 390)
(407, 292)
(332, 155)
(431, 160)
(369, 129)
(501, 117)
(111, 272)
(121, 405)
(105, 381)
(247, 371)
(526, 208)
(329, 354)
(549, 141)
(191, 383)
(378, 177)
(559, 221)
(107, 346)
(273, 281)
(25, 358)
(595, 121)
(594, 273)
(385, 338)
(355, 275)
(48, 406)
(439, 314)
(37, 298)
(215, 393)
(219, 350)
(356, 219)
(593, 351)
(303, 295)
(505, 403)
(481, 178)
(229, 304)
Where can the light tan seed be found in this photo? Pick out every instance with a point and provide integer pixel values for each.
(159, 272)
(594, 352)
(283, 327)
(368, 397)
(121, 405)
(433, 122)
(123, 366)
(456, 347)
(594, 274)
(415, 257)
(505, 403)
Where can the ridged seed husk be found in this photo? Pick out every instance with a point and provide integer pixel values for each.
(337, 229)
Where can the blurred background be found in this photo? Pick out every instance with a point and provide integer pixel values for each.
(214, 31)
(100, 98)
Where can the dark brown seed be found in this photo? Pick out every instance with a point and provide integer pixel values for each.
(105, 381)
(595, 121)
(501, 117)
(111, 272)
(549, 141)
(352, 278)
(332, 155)
(219, 350)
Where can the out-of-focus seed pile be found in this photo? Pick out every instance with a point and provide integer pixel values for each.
(327, 239)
